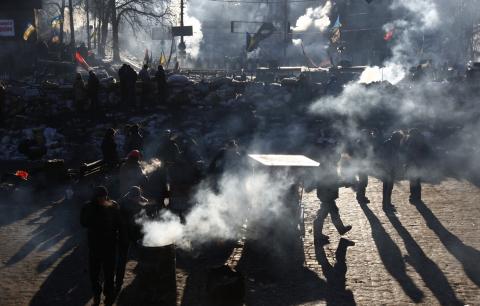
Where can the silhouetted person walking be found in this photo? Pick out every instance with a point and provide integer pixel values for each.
(328, 183)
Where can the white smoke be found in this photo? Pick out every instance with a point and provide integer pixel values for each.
(314, 18)
(193, 42)
(256, 198)
(426, 12)
(150, 166)
(392, 73)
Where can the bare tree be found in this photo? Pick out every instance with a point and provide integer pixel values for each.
(136, 13)
(72, 26)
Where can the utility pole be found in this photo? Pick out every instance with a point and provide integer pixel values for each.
(72, 27)
(181, 45)
(62, 13)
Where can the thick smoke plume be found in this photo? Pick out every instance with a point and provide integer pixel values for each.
(314, 18)
(257, 198)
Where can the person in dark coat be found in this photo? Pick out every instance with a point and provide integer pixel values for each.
(144, 76)
(134, 140)
(417, 153)
(131, 173)
(227, 158)
(131, 77)
(93, 87)
(109, 148)
(360, 151)
(132, 206)
(391, 160)
(101, 218)
(168, 151)
(162, 86)
(328, 183)
(123, 76)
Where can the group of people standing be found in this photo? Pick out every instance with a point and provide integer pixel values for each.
(128, 79)
(112, 226)
(402, 155)
(86, 96)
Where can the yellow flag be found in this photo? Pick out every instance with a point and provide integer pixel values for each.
(30, 29)
(163, 60)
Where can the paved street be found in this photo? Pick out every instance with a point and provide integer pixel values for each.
(425, 253)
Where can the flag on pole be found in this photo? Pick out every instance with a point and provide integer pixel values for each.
(336, 34)
(28, 32)
(389, 35)
(81, 61)
(337, 24)
(163, 59)
(56, 21)
(265, 30)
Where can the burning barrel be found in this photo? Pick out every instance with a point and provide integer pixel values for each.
(156, 277)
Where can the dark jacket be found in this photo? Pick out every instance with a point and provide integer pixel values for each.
(225, 159)
(168, 151)
(328, 181)
(102, 223)
(93, 85)
(131, 175)
(130, 210)
(161, 79)
(109, 150)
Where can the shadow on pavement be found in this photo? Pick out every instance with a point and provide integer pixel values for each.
(430, 273)
(61, 223)
(468, 256)
(336, 294)
(68, 283)
(391, 256)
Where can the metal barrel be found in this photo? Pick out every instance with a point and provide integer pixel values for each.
(156, 275)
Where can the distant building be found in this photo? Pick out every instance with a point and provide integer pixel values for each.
(15, 16)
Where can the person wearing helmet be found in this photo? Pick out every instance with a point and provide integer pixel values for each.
(131, 173)
(390, 168)
(328, 183)
(109, 148)
(101, 218)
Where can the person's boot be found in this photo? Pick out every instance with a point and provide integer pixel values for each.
(344, 230)
(344, 242)
(362, 199)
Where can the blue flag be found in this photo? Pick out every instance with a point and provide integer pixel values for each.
(337, 24)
